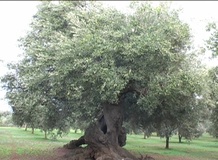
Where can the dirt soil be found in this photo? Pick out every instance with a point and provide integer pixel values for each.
(64, 154)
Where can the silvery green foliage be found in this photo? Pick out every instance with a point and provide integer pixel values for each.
(79, 55)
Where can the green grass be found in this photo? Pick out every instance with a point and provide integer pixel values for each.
(16, 141)
(203, 148)
(20, 142)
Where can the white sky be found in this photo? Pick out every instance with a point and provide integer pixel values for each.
(15, 17)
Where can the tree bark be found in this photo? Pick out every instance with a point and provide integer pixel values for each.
(145, 135)
(180, 139)
(45, 131)
(167, 142)
(25, 127)
(105, 137)
(32, 130)
(75, 130)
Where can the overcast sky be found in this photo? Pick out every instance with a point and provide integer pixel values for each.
(15, 17)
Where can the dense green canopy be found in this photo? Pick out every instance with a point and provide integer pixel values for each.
(80, 54)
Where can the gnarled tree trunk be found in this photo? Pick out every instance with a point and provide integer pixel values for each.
(104, 138)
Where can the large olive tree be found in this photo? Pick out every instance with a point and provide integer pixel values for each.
(96, 64)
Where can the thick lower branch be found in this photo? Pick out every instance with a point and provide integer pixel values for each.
(131, 88)
(75, 143)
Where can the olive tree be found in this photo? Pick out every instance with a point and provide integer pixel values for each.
(91, 60)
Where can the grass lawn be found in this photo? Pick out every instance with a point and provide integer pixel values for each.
(15, 142)
(203, 148)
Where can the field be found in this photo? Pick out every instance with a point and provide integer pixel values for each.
(17, 144)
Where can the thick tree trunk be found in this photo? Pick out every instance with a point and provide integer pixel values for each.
(75, 131)
(25, 127)
(105, 137)
(32, 130)
(167, 142)
(145, 136)
(180, 139)
(45, 131)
